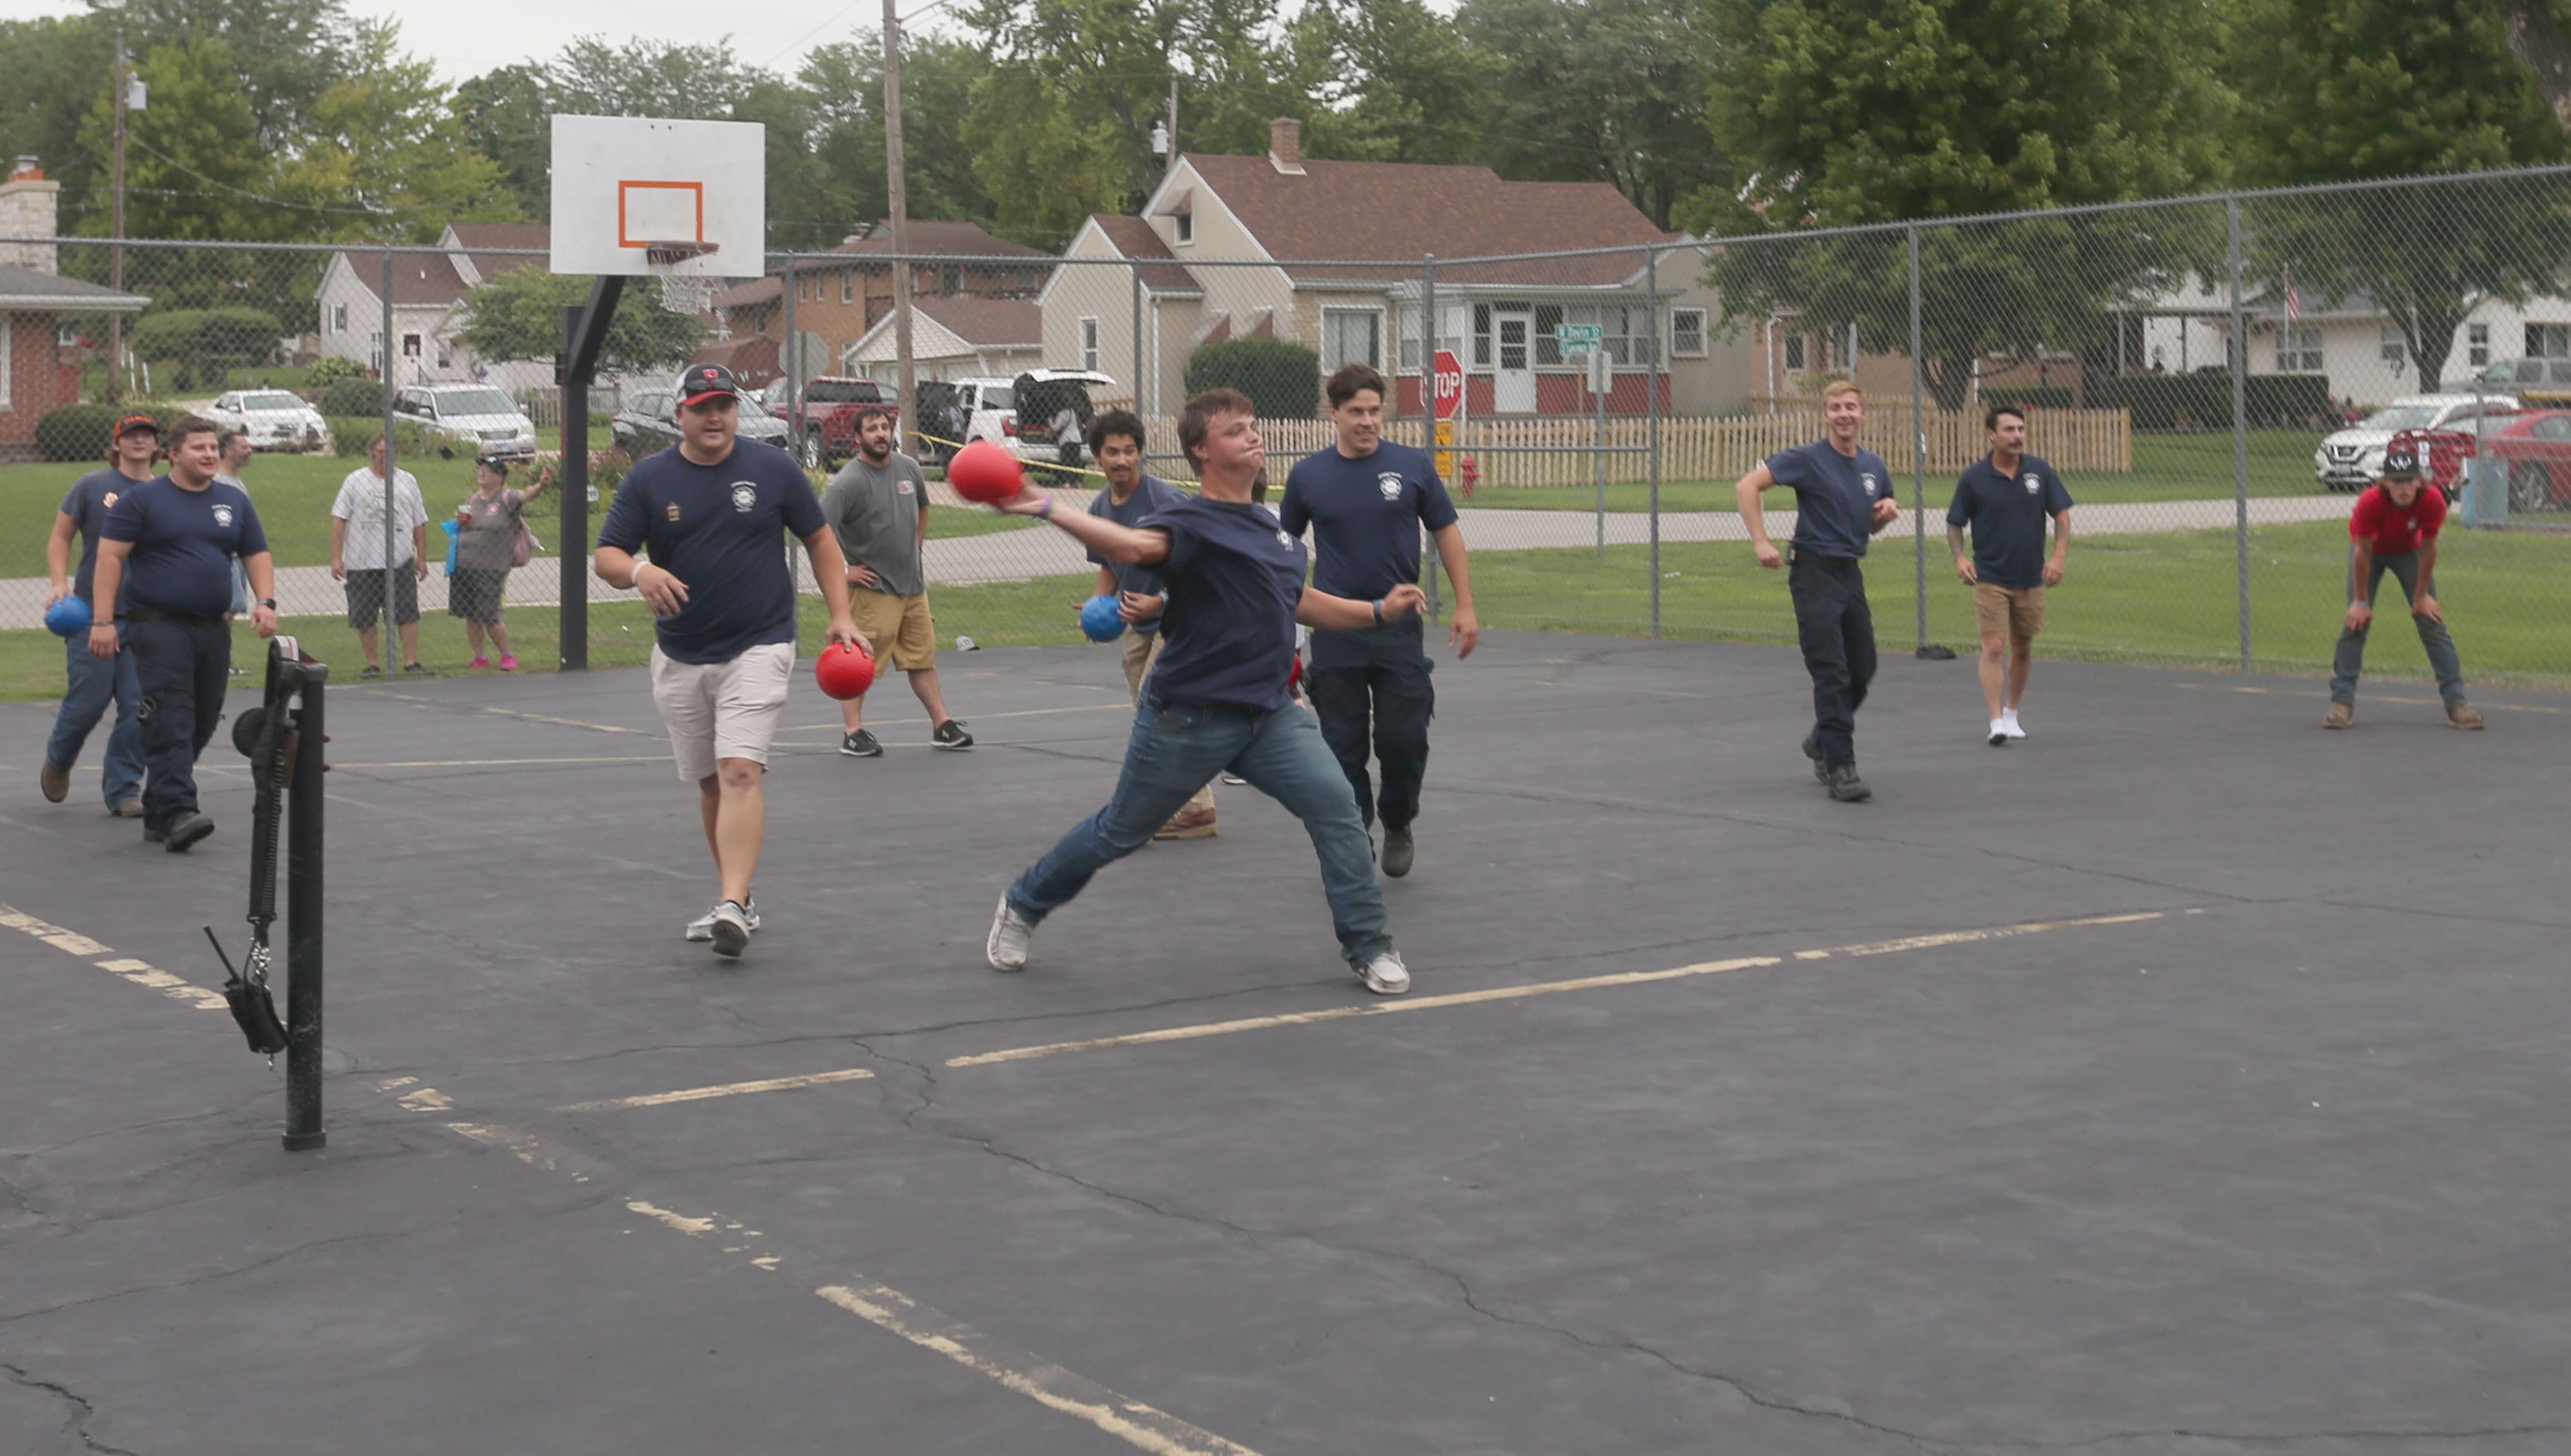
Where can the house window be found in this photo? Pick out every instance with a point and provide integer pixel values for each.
(1687, 333)
(2298, 352)
(1548, 350)
(2392, 348)
(67, 335)
(410, 346)
(1351, 336)
(1405, 328)
(8, 326)
(2548, 340)
(1482, 335)
(1794, 353)
(2477, 345)
(1186, 226)
(445, 352)
(1089, 343)
(339, 318)
(849, 287)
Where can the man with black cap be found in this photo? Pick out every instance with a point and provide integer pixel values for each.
(94, 682)
(706, 513)
(2394, 528)
(165, 557)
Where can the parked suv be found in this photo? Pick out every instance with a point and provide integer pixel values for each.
(1037, 416)
(650, 421)
(2352, 459)
(476, 420)
(831, 405)
(2534, 381)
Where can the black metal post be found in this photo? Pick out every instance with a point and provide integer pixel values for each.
(584, 332)
(304, 802)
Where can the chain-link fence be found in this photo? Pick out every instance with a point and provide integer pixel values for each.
(2212, 378)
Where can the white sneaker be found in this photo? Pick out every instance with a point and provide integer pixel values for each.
(732, 930)
(1010, 932)
(1386, 975)
(1999, 732)
(702, 928)
(2009, 725)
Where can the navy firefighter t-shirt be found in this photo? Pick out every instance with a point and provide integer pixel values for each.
(183, 545)
(1835, 496)
(715, 527)
(1365, 516)
(1233, 577)
(2007, 514)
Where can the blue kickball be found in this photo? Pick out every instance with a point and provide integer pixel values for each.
(1098, 619)
(66, 618)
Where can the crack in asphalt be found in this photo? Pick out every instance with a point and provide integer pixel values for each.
(83, 1410)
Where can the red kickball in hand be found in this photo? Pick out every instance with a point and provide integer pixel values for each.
(844, 669)
(985, 473)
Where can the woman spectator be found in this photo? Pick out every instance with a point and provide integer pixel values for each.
(487, 529)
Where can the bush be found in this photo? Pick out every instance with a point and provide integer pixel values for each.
(352, 396)
(329, 370)
(2204, 400)
(1282, 378)
(2034, 397)
(204, 345)
(75, 432)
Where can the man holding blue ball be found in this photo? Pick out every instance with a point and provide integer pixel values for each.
(1116, 444)
(94, 682)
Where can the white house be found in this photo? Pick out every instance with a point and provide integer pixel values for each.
(2352, 341)
(427, 295)
(955, 338)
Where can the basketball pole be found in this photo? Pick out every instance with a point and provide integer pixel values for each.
(576, 368)
(897, 201)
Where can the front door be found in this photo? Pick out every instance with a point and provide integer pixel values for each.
(1513, 389)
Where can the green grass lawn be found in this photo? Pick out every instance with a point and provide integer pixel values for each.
(2166, 468)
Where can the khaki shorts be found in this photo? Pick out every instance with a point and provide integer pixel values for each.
(2017, 611)
(899, 629)
(719, 711)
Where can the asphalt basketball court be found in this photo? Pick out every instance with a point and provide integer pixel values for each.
(2181, 1079)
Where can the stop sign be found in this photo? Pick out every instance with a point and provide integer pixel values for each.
(1451, 385)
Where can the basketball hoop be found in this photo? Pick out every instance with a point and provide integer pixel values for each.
(681, 293)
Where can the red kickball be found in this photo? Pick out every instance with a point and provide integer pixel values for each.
(984, 472)
(844, 669)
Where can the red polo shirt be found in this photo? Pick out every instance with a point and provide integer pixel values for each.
(2392, 530)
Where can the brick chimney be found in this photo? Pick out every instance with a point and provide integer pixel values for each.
(1285, 146)
(27, 209)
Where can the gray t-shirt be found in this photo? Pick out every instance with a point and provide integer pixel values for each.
(874, 510)
(491, 535)
(1150, 498)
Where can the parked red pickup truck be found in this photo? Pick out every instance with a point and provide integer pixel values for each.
(826, 420)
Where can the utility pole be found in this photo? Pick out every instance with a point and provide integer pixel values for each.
(1173, 162)
(116, 231)
(898, 195)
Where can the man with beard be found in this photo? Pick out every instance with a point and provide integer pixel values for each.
(879, 506)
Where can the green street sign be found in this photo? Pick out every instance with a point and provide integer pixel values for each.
(1578, 338)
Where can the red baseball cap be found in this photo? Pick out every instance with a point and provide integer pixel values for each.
(132, 422)
(701, 382)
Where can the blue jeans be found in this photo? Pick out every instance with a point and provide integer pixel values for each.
(2349, 659)
(93, 683)
(1173, 751)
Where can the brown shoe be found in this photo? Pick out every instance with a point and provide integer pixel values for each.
(1187, 824)
(2461, 715)
(2339, 716)
(56, 780)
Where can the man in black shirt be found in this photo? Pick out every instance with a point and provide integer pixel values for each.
(166, 559)
(2006, 499)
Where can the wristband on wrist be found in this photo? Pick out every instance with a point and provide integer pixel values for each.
(1045, 511)
(1378, 611)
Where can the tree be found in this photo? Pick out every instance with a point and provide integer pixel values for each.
(285, 52)
(196, 167)
(385, 158)
(1612, 91)
(518, 316)
(2535, 37)
(1961, 106)
(1382, 81)
(507, 115)
(57, 70)
(2363, 88)
(206, 343)
(1061, 124)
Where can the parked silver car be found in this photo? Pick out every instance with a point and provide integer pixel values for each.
(273, 419)
(649, 421)
(476, 420)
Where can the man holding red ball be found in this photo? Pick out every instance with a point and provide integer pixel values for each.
(706, 514)
(1217, 698)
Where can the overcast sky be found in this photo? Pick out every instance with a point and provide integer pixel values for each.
(465, 38)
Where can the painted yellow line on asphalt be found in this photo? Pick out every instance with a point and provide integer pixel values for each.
(105, 958)
(729, 1089)
(1540, 988)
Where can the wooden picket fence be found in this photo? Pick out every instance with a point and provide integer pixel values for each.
(1696, 448)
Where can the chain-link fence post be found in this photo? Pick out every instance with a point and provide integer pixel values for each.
(1427, 401)
(392, 462)
(1918, 453)
(1134, 273)
(2240, 427)
(1652, 323)
(794, 381)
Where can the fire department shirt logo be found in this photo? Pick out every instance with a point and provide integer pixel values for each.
(1389, 484)
(110, 500)
(671, 510)
(743, 496)
(224, 516)
(1871, 487)
(1284, 540)
(2033, 485)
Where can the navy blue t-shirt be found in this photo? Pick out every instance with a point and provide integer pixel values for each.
(2007, 514)
(183, 545)
(716, 528)
(1150, 498)
(1365, 516)
(1834, 494)
(1233, 577)
(87, 504)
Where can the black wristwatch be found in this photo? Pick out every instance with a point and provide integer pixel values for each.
(1378, 611)
(268, 602)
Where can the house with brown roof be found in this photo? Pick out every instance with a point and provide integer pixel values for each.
(955, 338)
(837, 299)
(50, 325)
(1328, 254)
(428, 296)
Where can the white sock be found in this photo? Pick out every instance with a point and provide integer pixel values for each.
(2008, 715)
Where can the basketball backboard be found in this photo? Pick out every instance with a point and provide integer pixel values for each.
(625, 189)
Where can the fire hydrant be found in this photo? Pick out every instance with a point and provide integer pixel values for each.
(1470, 476)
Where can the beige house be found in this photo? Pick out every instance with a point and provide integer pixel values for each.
(1217, 249)
(953, 338)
